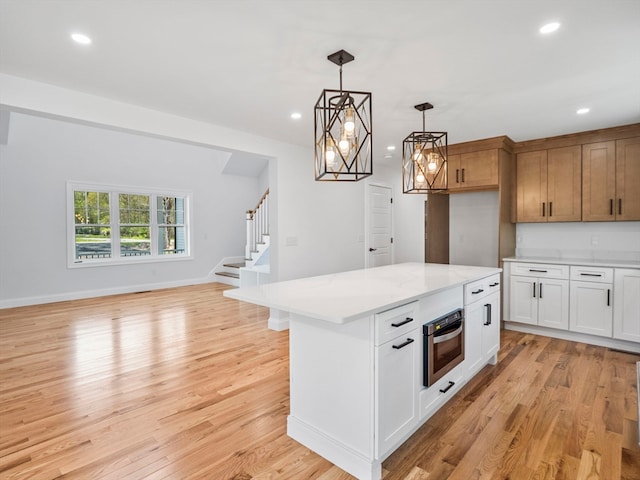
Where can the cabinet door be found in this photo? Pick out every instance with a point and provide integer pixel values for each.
(491, 328)
(474, 319)
(479, 169)
(397, 366)
(531, 186)
(564, 184)
(553, 303)
(523, 305)
(627, 179)
(591, 310)
(598, 181)
(453, 172)
(626, 304)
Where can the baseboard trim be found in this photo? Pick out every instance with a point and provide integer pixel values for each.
(63, 297)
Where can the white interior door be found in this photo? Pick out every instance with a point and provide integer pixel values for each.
(379, 236)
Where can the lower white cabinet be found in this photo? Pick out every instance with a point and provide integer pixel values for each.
(482, 327)
(591, 301)
(626, 304)
(540, 300)
(602, 301)
(397, 363)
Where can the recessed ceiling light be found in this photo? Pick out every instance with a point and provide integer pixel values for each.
(296, 115)
(582, 111)
(549, 27)
(391, 148)
(80, 38)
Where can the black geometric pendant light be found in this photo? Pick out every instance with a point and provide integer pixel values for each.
(343, 133)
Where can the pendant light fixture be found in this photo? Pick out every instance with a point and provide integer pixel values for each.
(424, 159)
(343, 131)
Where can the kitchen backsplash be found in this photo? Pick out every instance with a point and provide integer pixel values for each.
(580, 240)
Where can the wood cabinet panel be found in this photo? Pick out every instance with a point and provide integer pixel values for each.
(531, 186)
(628, 179)
(549, 185)
(598, 181)
(564, 184)
(473, 170)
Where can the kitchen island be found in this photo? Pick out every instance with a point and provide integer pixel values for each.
(356, 353)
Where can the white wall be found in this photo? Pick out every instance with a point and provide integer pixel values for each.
(408, 216)
(317, 227)
(580, 240)
(473, 229)
(42, 154)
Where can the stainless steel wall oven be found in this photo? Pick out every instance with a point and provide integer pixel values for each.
(443, 346)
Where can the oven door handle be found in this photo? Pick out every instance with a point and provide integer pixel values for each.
(447, 336)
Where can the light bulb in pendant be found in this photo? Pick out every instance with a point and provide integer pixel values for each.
(420, 177)
(330, 153)
(344, 144)
(349, 121)
(432, 164)
(417, 153)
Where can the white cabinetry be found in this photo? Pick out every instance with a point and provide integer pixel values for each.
(397, 362)
(539, 294)
(626, 304)
(591, 301)
(482, 323)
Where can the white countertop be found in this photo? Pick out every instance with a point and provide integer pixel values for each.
(344, 296)
(576, 261)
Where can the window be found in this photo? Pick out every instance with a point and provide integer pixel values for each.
(119, 225)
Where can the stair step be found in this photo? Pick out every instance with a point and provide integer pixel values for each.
(234, 265)
(228, 274)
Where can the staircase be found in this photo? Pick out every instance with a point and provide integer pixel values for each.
(253, 269)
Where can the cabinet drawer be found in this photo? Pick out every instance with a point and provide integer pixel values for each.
(481, 288)
(592, 274)
(540, 270)
(431, 398)
(396, 321)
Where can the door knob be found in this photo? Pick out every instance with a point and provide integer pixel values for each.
(372, 249)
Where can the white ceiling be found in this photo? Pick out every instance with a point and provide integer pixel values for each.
(248, 64)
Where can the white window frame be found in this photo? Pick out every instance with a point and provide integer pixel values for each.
(116, 258)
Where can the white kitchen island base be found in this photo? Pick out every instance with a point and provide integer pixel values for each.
(356, 355)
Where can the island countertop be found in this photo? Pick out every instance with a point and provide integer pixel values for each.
(344, 296)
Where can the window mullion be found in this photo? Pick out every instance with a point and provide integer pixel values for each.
(114, 209)
(153, 225)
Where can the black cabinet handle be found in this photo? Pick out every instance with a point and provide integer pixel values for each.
(494, 284)
(534, 289)
(488, 307)
(540, 289)
(543, 209)
(402, 345)
(551, 209)
(372, 249)
(404, 322)
(611, 206)
(457, 177)
(539, 271)
(463, 175)
(446, 389)
(477, 291)
(608, 297)
(591, 274)
(619, 206)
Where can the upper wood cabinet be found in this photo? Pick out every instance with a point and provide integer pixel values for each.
(611, 175)
(548, 186)
(473, 170)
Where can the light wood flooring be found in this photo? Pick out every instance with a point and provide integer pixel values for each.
(187, 384)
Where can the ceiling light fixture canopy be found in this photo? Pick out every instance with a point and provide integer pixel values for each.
(424, 159)
(343, 131)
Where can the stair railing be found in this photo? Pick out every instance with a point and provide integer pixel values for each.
(257, 225)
